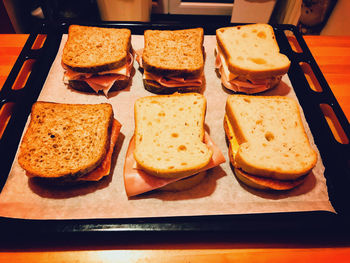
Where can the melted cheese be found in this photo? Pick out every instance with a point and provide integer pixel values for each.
(232, 138)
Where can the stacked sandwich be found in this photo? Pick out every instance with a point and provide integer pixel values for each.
(173, 61)
(249, 59)
(69, 143)
(97, 59)
(170, 147)
(268, 146)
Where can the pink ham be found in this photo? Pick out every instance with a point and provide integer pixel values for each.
(103, 80)
(175, 81)
(137, 181)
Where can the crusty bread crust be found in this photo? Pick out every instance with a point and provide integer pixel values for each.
(155, 87)
(271, 137)
(174, 52)
(65, 141)
(84, 87)
(169, 134)
(94, 49)
(252, 51)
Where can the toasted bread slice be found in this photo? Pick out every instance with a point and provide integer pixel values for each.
(65, 140)
(252, 51)
(94, 49)
(169, 133)
(271, 138)
(175, 53)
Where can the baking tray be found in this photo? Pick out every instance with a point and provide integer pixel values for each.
(335, 155)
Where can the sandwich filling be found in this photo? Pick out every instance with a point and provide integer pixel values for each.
(250, 179)
(169, 81)
(103, 80)
(137, 181)
(242, 83)
(105, 167)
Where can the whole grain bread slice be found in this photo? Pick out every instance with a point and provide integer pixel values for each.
(65, 140)
(271, 137)
(252, 51)
(94, 49)
(174, 52)
(169, 133)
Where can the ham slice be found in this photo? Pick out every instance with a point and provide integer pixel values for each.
(137, 181)
(105, 167)
(103, 80)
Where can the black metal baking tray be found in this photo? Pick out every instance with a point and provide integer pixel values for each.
(336, 156)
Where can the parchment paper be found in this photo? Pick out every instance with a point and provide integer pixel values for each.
(219, 193)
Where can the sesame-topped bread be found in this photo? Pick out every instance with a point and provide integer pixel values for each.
(65, 141)
(93, 49)
(174, 52)
(169, 133)
(271, 140)
(252, 51)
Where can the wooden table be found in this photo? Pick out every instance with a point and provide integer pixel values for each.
(333, 56)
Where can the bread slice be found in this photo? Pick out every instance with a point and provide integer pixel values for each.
(169, 133)
(94, 49)
(174, 52)
(65, 141)
(264, 183)
(252, 51)
(271, 137)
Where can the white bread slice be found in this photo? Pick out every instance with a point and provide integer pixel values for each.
(65, 141)
(271, 137)
(169, 133)
(252, 51)
(94, 49)
(264, 183)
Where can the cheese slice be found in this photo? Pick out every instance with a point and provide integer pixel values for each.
(233, 143)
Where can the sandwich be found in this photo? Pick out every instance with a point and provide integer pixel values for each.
(170, 147)
(173, 60)
(69, 143)
(268, 146)
(97, 59)
(248, 58)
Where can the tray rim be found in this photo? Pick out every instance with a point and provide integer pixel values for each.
(186, 224)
